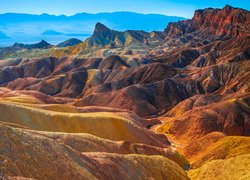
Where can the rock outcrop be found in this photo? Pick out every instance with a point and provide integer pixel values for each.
(229, 21)
(105, 37)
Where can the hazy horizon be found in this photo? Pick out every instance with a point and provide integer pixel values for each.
(21, 30)
(89, 13)
(30, 28)
(170, 8)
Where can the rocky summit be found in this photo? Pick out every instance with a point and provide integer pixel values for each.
(229, 21)
(131, 104)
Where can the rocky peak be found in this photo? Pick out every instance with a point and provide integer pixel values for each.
(103, 36)
(101, 28)
(229, 21)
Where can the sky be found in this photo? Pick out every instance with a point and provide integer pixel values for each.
(183, 8)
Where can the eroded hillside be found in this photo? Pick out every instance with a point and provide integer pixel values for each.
(132, 104)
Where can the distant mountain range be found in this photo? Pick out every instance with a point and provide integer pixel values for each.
(28, 28)
(117, 20)
(56, 33)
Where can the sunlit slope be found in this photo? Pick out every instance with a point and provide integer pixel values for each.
(224, 148)
(43, 135)
(233, 168)
(22, 149)
(140, 167)
(83, 142)
(102, 124)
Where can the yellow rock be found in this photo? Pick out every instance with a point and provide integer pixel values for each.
(102, 124)
(226, 147)
(236, 168)
(43, 155)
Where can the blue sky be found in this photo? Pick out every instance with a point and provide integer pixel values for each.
(184, 8)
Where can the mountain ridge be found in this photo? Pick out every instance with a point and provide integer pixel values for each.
(228, 21)
(149, 22)
(14, 25)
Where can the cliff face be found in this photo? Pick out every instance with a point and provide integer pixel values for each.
(229, 21)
